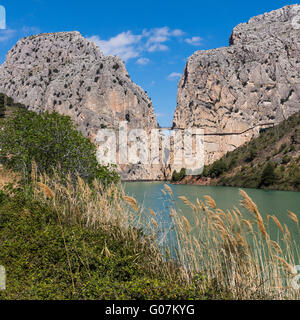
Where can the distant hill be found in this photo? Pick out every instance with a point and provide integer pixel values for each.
(270, 161)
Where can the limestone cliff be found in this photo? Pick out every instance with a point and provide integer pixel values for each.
(252, 83)
(66, 73)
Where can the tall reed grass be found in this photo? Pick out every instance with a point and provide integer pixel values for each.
(231, 249)
(236, 249)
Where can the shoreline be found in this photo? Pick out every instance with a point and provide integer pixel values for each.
(204, 181)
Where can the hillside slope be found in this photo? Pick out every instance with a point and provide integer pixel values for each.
(270, 161)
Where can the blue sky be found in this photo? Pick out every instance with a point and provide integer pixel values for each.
(154, 38)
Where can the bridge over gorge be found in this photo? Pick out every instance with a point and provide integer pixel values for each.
(269, 124)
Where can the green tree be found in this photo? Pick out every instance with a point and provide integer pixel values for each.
(251, 155)
(268, 175)
(51, 140)
(217, 168)
(178, 176)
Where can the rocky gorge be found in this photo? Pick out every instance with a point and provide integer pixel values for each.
(232, 92)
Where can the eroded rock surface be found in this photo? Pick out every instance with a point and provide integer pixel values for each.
(252, 82)
(66, 73)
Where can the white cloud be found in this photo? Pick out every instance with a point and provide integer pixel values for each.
(30, 30)
(158, 36)
(143, 61)
(25, 31)
(194, 41)
(6, 34)
(174, 76)
(157, 47)
(160, 115)
(123, 45)
(126, 45)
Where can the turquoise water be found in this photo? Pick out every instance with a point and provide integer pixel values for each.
(269, 202)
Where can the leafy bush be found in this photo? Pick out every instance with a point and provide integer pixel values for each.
(217, 168)
(286, 159)
(178, 176)
(51, 140)
(251, 155)
(48, 258)
(268, 176)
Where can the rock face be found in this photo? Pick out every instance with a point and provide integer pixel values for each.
(250, 84)
(66, 73)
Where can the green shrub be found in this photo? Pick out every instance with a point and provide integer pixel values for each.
(217, 168)
(251, 155)
(51, 140)
(48, 258)
(178, 176)
(286, 159)
(268, 176)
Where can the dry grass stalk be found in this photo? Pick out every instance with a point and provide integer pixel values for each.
(168, 188)
(238, 211)
(293, 217)
(132, 202)
(187, 202)
(152, 213)
(287, 232)
(248, 223)
(248, 203)
(154, 223)
(277, 222)
(187, 224)
(7, 177)
(240, 239)
(210, 202)
(46, 190)
(288, 267)
(276, 246)
(200, 206)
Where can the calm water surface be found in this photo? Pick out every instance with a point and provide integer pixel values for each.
(150, 196)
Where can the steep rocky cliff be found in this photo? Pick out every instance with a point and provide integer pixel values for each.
(66, 73)
(249, 85)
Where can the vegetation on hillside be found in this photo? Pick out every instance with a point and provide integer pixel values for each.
(270, 161)
(53, 143)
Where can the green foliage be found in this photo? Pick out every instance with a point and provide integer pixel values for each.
(178, 176)
(50, 140)
(286, 159)
(268, 176)
(251, 155)
(217, 168)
